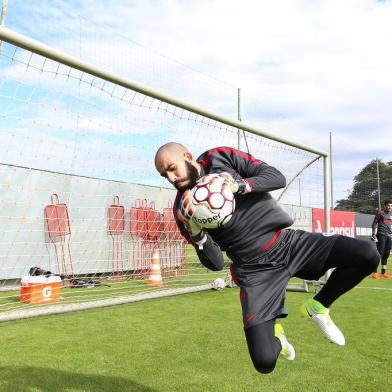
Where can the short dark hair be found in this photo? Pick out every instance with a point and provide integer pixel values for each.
(388, 201)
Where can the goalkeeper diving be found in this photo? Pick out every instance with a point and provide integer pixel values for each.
(265, 252)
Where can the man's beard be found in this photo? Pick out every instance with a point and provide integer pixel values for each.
(192, 176)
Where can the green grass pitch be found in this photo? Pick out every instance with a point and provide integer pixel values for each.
(195, 342)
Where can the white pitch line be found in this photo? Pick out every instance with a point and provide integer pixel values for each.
(374, 288)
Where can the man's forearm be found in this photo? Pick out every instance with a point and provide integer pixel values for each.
(210, 255)
(268, 179)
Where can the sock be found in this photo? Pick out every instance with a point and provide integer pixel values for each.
(316, 306)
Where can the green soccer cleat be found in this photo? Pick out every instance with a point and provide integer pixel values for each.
(287, 351)
(315, 311)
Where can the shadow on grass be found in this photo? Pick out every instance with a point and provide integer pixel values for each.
(27, 379)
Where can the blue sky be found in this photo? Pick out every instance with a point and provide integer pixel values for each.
(305, 68)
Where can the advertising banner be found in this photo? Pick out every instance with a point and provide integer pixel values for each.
(342, 222)
(363, 226)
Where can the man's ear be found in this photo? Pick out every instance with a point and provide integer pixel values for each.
(188, 156)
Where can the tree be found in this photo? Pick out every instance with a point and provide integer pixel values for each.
(364, 196)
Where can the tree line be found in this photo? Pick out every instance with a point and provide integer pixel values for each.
(368, 184)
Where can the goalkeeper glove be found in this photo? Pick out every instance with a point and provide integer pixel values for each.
(195, 231)
(374, 238)
(239, 187)
(197, 234)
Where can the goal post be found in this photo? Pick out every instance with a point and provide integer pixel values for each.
(82, 199)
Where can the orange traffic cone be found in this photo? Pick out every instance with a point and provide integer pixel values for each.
(155, 278)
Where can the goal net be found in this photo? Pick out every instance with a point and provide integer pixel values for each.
(85, 219)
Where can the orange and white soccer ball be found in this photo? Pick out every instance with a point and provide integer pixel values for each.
(210, 203)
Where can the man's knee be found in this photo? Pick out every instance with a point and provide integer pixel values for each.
(266, 364)
(263, 346)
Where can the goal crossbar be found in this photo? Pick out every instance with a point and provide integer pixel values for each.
(41, 49)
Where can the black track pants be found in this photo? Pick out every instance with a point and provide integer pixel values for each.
(384, 247)
(352, 261)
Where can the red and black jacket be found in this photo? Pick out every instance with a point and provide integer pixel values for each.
(257, 219)
(382, 223)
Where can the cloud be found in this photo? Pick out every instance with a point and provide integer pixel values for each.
(305, 68)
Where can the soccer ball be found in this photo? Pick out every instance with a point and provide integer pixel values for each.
(218, 284)
(210, 203)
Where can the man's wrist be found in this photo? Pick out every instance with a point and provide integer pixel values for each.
(243, 187)
(199, 239)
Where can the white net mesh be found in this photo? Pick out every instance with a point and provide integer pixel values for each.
(80, 194)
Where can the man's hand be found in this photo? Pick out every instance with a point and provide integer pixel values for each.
(374, 238)
(185, 214)
(239, 187)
